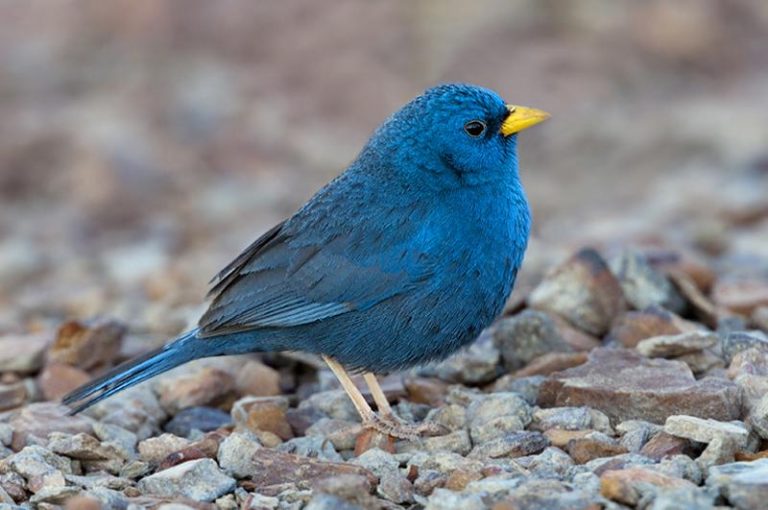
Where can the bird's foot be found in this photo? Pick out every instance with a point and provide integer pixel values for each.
(393, 426)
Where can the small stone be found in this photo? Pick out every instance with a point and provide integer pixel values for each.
(683, 499)
(635, 434)
(81, 446)
(566, 418)
(236, 454)
(668, 346)
(155, 449)
(200, 480)
(457, 441)
(625, 385)
(16, 394)
(333, 403)
(735, 342)
(477, 364)
(6, 434)
(741, 296)
(426, 390)
(743, 484)
(311, 446)
(497, 414)
(628, 486)
(760, 318)
(585, 449)
(549, 494)
(552, 362)
(136, 410)
(458, 479)
(198, 387)
(257, 380)
(276, 469)
(444, 499)
(22, 354)
(40, 419)
(583, 291)
(87, 345)
(643, 286)
(560, 438)
(257, 501)
(124, 440)
(450, 417)
(632, 327)
(54, 495)
(510, 445)
(263, 414)
(203, 419)
(526, 387)
(705, 431)
(342, 434)
(392, 485)
(370, 439)
(663, 445)
(758, 417)
(58, 379)
(40, 468)
(702, 362)
(526, 336)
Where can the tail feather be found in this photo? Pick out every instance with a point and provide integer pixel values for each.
(133, 372)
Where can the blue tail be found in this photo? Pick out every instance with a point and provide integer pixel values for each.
(185, 348)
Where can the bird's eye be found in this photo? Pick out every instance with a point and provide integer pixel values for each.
(474, 128)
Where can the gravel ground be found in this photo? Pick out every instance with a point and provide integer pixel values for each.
(626, 375)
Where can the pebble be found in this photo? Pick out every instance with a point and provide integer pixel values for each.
(199, 418)
(663, 445)
(628, 486)
(582, 450)
(200, 480)
(195, 386)
(87, 345)
(631, 328)
(583, 291)
(513, 445)
(263, 414)
(22, 354)
(314, 446)
(735, 342)
(477, 364)
(496, 414)
(236, 453)
(625, 385)
(40, 419)
(743, 484)
(156, 449)
(525, 337)
(667, 346)
(643, 285)
(256, 379)
(58, 379)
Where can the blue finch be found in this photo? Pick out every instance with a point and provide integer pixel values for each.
(402, 259)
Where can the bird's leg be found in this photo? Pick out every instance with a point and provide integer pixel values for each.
(385, 410)
(370, 419)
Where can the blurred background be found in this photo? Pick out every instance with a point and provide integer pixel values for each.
(143, 143)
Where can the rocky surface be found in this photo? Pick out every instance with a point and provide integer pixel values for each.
(629, 369)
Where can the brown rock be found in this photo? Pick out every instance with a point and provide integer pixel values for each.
(552, 362)
(370, 438)
(58, 379)
(257, 379)
(663, 445)
(583, 291)
(41, 419)
(458, 479)
(561, 438)
(741, 296)
(22, 354)
(582, 450)
(16, 394)
(632, 327)
(263, 414)
(206, 386)
(627, 486)
(667, 346)
(685, 263)
(278, 471)
(87, 345)
(625, 385)
(426, 390)
(576, 338)
(704, 309)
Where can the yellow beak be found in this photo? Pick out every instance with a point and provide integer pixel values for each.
(521, 117)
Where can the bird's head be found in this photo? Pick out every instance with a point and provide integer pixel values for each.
(454, 135)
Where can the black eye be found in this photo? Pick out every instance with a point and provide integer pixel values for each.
(475, 128)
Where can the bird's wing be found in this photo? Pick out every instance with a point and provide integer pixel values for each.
(290, 277)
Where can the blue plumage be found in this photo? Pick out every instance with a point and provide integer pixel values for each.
(402, 259)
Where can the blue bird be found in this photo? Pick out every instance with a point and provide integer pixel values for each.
(402, 259)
